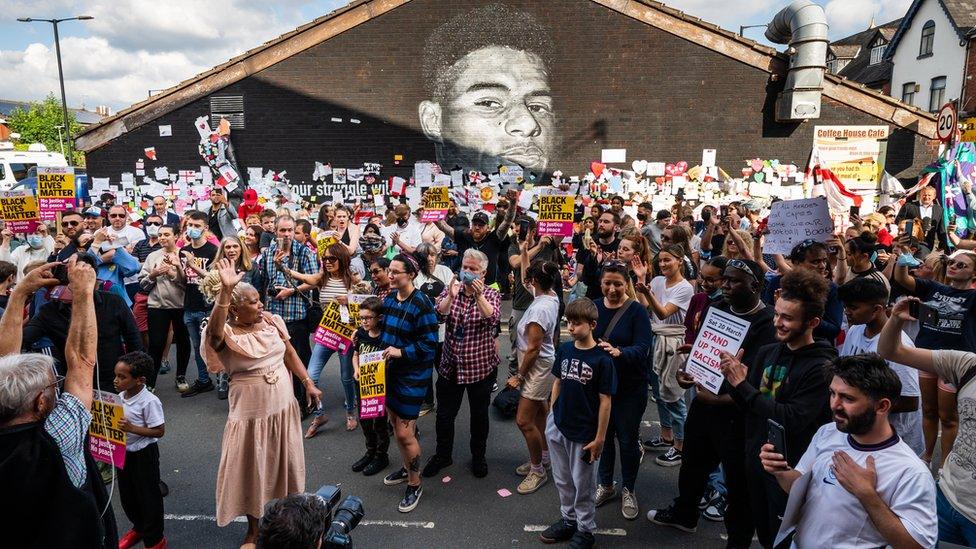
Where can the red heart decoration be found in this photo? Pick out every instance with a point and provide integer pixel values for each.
(597, 168)
(669, 169)
(680, 168)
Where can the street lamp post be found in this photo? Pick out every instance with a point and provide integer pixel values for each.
(57, 49)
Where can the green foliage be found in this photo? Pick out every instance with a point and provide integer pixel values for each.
(39, 124)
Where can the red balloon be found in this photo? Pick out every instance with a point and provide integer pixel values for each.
(597, 168)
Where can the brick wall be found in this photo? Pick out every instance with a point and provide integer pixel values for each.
(618, 83)
(968, 103)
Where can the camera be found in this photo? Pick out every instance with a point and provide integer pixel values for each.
(345, 516)
(310, 521)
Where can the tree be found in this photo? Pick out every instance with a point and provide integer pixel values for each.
(39, 124)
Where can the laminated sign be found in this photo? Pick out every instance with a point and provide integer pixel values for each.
(106, 441)
(436, 201)
(556, 215)
(720, 332)
(372, 385)
(339, 323)
(19, 210)
(55, 191)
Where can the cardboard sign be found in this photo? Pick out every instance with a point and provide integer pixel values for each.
(556, 215)
(720, 331)
(19, 210)
(106, 441)
(436, 201)
(333, 332)
(55, 191)
(372, 385)
(793, 221)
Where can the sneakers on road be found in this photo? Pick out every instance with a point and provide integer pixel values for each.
(425, 409)
(523, 470)
(532, 482)
(561, 531)
(164, 367)
(668, 517)
(629, 508)
(197, 388)
(397, 477)
(362, 462)
(657, 444)
(435, 464)
(181, 385)
(605, 494)
(671, 458)
(380, 462)
(410, 499)
(707, 499)
(582, 540)
(715, 511)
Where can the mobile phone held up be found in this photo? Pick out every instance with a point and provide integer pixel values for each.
(777, 437)
(523, 230)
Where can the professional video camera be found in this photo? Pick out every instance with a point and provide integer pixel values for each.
(345, 516)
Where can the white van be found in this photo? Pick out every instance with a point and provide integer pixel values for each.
(14, 165)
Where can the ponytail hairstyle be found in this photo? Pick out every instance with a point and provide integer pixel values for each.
(543, 275)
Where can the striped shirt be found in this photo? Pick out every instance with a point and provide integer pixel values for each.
(411, 326)
(333, 288)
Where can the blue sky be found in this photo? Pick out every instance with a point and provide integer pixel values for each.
(136, 45)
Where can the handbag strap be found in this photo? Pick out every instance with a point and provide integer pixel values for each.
(616, 318)
(966, 378)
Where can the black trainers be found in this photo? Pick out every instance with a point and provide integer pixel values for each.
(706, 499)
(362, 462)
(668, 517)
(397, 477)
(582, 540)
(410, 499)
(380, 462)
(657, 444)
(479, 467)
(164, 367)
(715, 512)
(560, 531)
(198, 388)
(670, 459)
(435, 464)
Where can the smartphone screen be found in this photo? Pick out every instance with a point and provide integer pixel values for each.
(777, 437)
(523, 230)
(855, 211)
(910, 228)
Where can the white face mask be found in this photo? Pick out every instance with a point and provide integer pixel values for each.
(152, 230)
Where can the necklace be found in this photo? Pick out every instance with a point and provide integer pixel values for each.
(759, 305)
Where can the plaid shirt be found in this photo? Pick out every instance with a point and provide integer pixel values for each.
(68, 426)
(469, 354)
(268, 277)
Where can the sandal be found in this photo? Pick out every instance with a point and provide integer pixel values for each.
(351, 423)
(313, 428)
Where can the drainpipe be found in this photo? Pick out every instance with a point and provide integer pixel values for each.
(802, 25)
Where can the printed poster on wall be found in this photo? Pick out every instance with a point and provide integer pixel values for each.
(556, 215)
(106, 441)
(339, 323)
(55, 191)
(856, 154)
(372, 385)
(720, 332)
(19, 210)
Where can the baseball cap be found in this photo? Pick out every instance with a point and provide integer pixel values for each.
(94, 211)
(480, 217)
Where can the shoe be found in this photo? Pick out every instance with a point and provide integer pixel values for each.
(410, 499)
(560, 531)
(494, 387)
(604, 494)
(532, 482)
(657, 444)
(397, 477)
(130, 539)
(425, 409)
(315, 425)
(582, 540)
(716, 511)
(198, 388)
(163, 489)
(160, 545)
(380, 462)
(707, 499)
(435, 464)
(667, 517)
(669, 459)
(222, 392)
(181, 385)
(523, 470)
(479, 467)
(362, 462)
(164, 367)
(629, 508)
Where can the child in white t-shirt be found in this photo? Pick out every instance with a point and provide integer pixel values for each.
(139, 487)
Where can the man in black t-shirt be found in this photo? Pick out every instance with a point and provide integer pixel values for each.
(592, 256)
(480, 238)
(195, 258)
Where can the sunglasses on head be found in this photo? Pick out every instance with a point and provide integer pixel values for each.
(742, 266)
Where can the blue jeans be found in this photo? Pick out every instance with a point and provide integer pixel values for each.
(320, 356)
(671, 414)
(716, 481)
(193, 320)
(953, 526)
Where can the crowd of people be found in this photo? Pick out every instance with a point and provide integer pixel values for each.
(857, 359)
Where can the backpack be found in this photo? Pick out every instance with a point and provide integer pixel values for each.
(506, 402)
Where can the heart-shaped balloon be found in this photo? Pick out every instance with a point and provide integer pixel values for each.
(659, 180)
(756, 164)
(597, 168)
(680, 168)
(747, 172)
(760, 177)
(669, 169)
(640, 166)
(774, 163)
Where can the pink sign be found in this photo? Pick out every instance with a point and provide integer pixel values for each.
(106, 441)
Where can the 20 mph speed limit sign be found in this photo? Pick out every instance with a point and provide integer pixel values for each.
(946, 123)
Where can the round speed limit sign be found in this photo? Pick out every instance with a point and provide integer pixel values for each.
(946, 123)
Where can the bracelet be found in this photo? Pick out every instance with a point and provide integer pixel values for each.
(306, 379)
(222, 305)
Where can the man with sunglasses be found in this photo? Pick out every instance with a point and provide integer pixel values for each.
(109, 252)
(71, 230)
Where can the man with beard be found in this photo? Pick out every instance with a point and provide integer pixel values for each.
(602, 248)
(715, 428)
(859, 468)
(480, 238)
(785, 384)
(72, 238)
(489, 101)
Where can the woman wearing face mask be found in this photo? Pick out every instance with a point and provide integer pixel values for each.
(624, 331)
(38, 247)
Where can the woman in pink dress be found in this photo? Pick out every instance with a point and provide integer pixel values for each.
(261, 456)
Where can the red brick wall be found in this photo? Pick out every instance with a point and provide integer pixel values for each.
(969, 85)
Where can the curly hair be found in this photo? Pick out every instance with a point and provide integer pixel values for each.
(808, 288)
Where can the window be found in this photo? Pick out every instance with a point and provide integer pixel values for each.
(928, 38)
(230, 107)
(908, 93)
(832, 64)
(937, 93)
(877, 51)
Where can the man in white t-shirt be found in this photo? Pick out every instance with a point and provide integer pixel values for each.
(118, 218)
(957, 484)
(858, 484)
(866, 306)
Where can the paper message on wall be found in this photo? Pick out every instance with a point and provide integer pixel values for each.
(556, 215)
(720, 331)
(19, 210)
(55, 191)
(332, 332)
(793, 221)
(372, 385)
(106, 441)
(436, 201)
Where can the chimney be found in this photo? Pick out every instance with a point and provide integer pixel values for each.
(103, 111)
(802, 25)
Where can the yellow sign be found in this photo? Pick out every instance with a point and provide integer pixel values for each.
(55, 191)
(106, 440)
(19, 210)
(436, 201)
(968, 128)
(336, 329)
(556, 215)
(856, 154)
(325, 240)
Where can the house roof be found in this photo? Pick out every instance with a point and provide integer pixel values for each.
(82, 116)
(860, 69)
(357, 12)
(961, 13)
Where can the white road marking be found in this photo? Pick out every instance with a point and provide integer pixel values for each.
(393, 523)
(650, 423)
(598, 531)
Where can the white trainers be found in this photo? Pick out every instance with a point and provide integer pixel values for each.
(532, 482)
(629, 508)
(523, 470)
(605, 494)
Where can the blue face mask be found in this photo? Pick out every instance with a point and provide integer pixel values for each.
(194, 233)
(35, 241)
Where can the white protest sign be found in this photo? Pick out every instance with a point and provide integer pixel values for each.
(793, 221)
(720, 332)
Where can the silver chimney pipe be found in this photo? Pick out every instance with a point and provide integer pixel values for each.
(802, 25)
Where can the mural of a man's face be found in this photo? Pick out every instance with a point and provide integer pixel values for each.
(497, 111)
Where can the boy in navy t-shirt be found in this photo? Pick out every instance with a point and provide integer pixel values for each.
(375, 430)
(577, 426)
